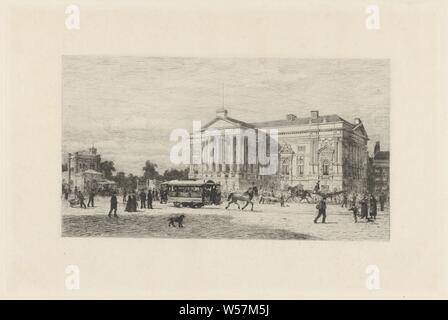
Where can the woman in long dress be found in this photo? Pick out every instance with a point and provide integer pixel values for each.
(134, 203)
(364, 208)
(129, 204)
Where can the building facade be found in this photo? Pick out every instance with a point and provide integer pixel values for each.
(324, 148)
(84, 172)
(380, 173)
(84, 160)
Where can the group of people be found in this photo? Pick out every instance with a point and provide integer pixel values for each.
(364, 206)
(80, 198)
(145, 200)
(154, 195)
(131, 201)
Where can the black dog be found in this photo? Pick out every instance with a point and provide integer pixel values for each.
(178, 219)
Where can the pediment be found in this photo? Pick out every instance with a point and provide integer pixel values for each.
(359, 129)
(286, 148)
(224, 123)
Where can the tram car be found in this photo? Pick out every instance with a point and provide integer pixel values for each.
(191, 193)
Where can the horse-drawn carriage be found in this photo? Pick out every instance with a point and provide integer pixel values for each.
(191, 193)
(73, 201)
(297, 194)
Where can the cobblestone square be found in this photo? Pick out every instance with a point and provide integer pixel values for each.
(267, 221)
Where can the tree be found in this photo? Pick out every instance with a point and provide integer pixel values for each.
(150, 171)
(131, 182)
(175, 174)
(107, 167)
(120, 179)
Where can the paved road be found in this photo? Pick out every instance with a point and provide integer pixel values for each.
(294, 217)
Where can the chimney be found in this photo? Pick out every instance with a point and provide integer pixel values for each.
(291, 117)
(314, 115)
(357, 121)
(221, 113)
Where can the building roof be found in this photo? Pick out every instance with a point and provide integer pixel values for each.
(382, 155)
(92, 172)
(290, 121)
(184, 183)
(86, 153)
(300, 121)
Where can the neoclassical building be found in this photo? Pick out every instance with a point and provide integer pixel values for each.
(317, 147)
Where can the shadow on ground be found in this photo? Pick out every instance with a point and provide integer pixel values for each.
(195, 226)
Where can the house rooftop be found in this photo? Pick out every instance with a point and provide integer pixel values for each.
(382, 155)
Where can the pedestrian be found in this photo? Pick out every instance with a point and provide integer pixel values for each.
(81, 200)
(142, 199)
(373, 207)
(364, 208)
(317, 187)
(129, 204)
(162, 192)
(149, 199)
(134, 203)
(355, 213)
(354, 200)
(113, 205)
(282, 200)
(66, 194)
(91, 198)
(322, 210)
(124, 195)
(382, 200)
(344, 200)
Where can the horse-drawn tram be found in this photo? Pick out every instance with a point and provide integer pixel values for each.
(192, 193)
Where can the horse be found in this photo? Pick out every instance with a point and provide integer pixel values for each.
(295, 192)
(304, 195)
(247, 196)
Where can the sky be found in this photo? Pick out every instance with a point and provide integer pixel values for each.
(128, 106)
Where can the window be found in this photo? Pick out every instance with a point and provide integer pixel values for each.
(285, 169)
(300, 166)
(325, 168)
(300, 169)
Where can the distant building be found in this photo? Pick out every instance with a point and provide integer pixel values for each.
(84, 172)
(148, 184)
(380, 173)
(84, 160)
(318, 147)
